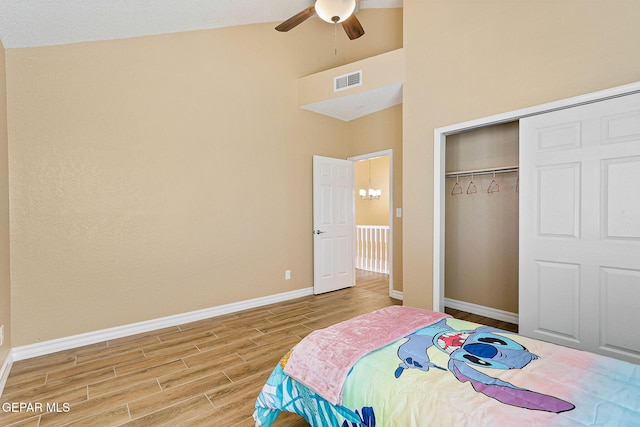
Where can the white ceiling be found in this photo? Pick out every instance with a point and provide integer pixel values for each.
(350, 107)
(31, 23)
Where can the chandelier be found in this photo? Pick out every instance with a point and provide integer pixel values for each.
(371, 193)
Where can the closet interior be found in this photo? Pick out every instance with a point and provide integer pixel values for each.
(481, 221)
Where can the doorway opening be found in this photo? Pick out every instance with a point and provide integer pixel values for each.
(373, 245)
(481, 221)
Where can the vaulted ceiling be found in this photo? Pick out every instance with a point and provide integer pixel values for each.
(31, 23)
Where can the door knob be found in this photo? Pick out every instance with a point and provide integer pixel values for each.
(319, 232)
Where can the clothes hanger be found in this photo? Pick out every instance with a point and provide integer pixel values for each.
(472, 186)
(494, 187)
(457, 189)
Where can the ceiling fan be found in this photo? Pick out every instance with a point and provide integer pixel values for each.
(331, 11)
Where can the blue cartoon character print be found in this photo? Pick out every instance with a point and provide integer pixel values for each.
(480, 347)
(367, 418)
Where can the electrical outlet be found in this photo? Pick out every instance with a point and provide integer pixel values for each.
(287, 275)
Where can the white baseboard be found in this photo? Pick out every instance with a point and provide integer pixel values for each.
(481, 310)
(4, 371)
(52, 346)
(396, 295)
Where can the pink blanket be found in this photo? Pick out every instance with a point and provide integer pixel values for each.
(323, 359)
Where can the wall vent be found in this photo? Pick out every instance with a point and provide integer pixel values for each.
(347, 81)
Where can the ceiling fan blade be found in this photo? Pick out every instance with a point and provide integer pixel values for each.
(352, 27)
(297, 19)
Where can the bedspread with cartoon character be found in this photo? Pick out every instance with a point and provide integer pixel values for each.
(458, 373)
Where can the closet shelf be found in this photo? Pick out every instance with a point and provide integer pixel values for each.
(504, 169)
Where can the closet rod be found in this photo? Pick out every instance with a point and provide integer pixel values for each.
(507, 169)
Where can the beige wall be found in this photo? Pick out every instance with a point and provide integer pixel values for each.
(159, 175)
(5, 277)
(481, 228)
(471, 59)
(377, 132)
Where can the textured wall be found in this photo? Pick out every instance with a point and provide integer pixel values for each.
(159, 175)
(5, 278)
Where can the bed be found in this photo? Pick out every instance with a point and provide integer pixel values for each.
(402, 366)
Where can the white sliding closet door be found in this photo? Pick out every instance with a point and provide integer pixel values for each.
(580, 227)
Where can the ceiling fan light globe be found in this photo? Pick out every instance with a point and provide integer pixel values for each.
(329, 10)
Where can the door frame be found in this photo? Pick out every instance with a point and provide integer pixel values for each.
(392, 292)
(439, 151)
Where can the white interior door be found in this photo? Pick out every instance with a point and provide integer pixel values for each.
(580, 227)
(333, 224)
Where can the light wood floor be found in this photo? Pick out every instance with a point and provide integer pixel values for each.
(205, 373)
